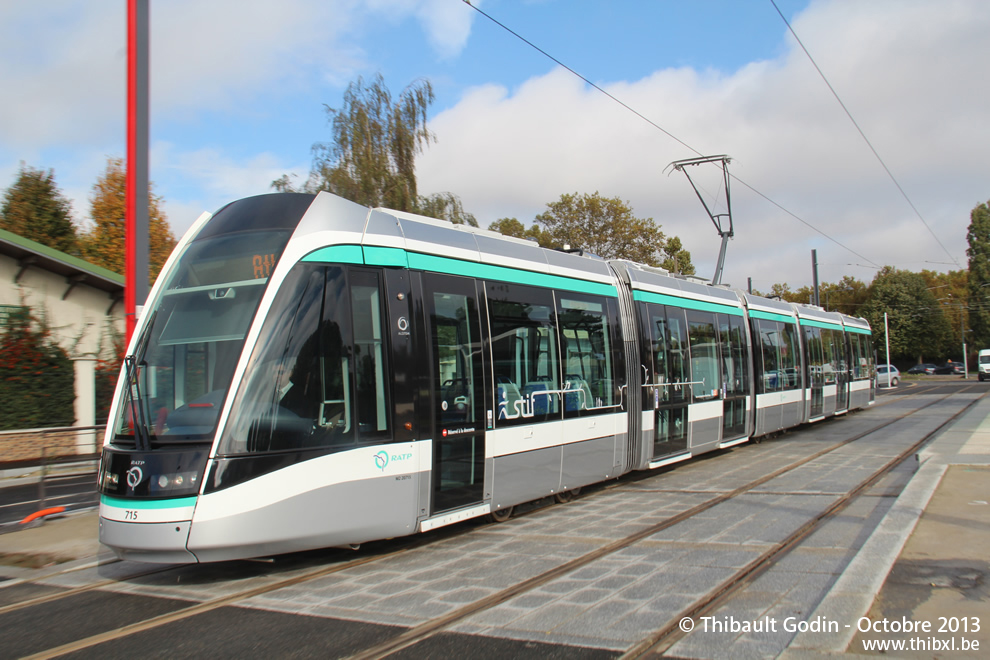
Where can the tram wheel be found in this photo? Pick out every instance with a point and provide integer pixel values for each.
(501, 515)
(567, 495)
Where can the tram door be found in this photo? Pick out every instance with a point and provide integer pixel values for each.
(735, 375)
(667, 391)
(840, 353)
(458, 392)
(815, 357)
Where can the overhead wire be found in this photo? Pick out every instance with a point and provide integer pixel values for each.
(661, 129)
(863, 135)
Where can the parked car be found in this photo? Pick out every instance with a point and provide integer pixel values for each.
(951, 368)
(925, 368)
(887, 375)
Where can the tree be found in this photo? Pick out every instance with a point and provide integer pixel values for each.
(675, 258)
(782, 292)
(445, 206)
(103, 244)
(951, 291)
(35, 209)
(916, 320)
(978, 237)
(512, 227)
(37, 382)
(371, 158)
(603, 226)
(848, 296)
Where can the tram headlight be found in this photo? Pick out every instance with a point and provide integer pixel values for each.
(175, 484)
(110, 480)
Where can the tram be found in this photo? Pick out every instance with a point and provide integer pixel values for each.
(312, 373)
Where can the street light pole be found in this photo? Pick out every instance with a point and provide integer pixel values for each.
(962, 333)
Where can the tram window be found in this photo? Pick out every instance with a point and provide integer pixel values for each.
(586, 348)
(278, 404)
(658, 349)
(704, 355)
(732, 340)
(524, 352)
(318, 373)
(369, 358)
(816, 364)
(769, 340)
(861, 355)
(790, 357)
(454, 349)
(677, 356)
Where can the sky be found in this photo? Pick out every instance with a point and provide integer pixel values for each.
(239, 89)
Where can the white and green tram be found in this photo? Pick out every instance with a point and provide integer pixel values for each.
(310, 373)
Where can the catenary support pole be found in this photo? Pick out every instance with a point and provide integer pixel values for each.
(136, 220)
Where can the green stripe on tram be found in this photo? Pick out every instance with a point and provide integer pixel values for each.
(862, 331)
(835, 326)
(337, 254)
(686, 303)
(147, 504)
(385, 256)
(827, 325)
(770, 316)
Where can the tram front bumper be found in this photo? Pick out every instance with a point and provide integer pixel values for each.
(155, 532)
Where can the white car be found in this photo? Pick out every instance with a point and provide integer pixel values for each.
(984, 368)
(887, 375)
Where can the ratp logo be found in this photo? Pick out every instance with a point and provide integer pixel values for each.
(134, 477)
(381, 460)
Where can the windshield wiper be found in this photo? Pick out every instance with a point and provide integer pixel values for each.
(138, 417)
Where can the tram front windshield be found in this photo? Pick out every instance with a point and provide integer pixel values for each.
(185, 359)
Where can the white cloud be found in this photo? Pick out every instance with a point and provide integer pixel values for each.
(447, 25)
(219, 178)
(63, 71)
(909, 72)
(63, 64)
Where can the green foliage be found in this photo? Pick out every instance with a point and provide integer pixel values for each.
(108, 365)
(675, 258)
(604, 226)
(103, 244)
(951, 292)
(35, 208)
(512, 227)
(371, 158)
(978, 237)
(37, 383)
(445, 206)
(917, 323)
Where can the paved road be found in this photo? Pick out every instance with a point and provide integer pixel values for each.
(74, 492)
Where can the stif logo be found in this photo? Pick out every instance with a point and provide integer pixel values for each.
(381, 459)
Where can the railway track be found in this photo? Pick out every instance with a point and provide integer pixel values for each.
(652, 644)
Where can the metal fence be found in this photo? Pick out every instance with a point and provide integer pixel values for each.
(39, 463)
